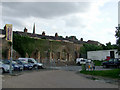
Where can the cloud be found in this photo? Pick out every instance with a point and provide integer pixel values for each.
(42, 9)
(81, 19)
(119, 12)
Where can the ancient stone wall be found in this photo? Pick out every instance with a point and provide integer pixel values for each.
(63, 52)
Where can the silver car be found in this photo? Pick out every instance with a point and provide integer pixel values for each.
(4, 67)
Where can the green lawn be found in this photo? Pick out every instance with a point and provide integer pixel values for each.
(115, 73)
(97, 62)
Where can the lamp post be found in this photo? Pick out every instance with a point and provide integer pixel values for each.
(9, 38)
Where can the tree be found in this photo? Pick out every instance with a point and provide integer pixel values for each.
(109, 46)
(117, 35)
(72, 37)
(89, 47)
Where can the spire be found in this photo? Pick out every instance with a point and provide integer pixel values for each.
(34, 29)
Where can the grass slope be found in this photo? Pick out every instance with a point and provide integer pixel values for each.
(106, 73)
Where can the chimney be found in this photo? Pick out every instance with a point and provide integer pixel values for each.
(43, 33)
(73, 38)
(56, 34)
(34, 29)
(25, 30)
(81, 39)
(66, 37)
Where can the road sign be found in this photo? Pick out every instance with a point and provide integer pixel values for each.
(9, 32)
(9, 38)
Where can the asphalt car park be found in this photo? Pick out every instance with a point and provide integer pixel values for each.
(51, 78)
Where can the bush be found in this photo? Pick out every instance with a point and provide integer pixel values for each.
(97, 62)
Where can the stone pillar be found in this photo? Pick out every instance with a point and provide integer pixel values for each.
(66, 56)
(69, 57)
(78, 55)
(60, 55)
(50, 56)
(8, 54)
(26, 55)
(38, 56)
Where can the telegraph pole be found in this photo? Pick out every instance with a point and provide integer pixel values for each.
(11, 56)
(9, 38)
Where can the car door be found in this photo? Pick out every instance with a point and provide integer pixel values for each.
(111, 62)
(116, 61)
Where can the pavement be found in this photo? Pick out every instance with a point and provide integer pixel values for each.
(76, 68)
(52, 79)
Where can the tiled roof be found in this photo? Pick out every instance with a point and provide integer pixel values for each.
(46, 37)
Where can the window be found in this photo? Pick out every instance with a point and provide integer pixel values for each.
(30, 61)
(115, 60)
(111, 60)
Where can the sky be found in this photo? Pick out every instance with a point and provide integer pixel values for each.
(88, 19)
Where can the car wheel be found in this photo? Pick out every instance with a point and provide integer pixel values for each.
(3, 71)
(118, 66)
(78, 63)
(40, 67)
(104, 66)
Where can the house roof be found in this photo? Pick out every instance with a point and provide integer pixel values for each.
(2, 31)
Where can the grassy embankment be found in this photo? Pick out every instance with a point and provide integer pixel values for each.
(97, 62)
(115, 73)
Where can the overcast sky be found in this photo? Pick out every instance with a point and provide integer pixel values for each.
(87, 20)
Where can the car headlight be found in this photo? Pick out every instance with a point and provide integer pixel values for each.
(25, 65)
(39, 64)
(16, 65)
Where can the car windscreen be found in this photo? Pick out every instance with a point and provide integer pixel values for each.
(17, 61)
(31, 60)
(82, 60)
(14, 62)
(6, 62)
(24, 62)
(0, 62)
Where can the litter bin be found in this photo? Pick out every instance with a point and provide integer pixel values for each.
(83, 67)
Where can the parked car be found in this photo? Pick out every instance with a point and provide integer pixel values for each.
(32, 62)
(1, 71)
(89, 61)
(14, 64)
(78, 61)
(26, 66)
(82, 61)
(17, 66)
(5, 67)
(112, 62)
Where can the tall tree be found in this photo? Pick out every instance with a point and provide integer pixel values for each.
(117, 35)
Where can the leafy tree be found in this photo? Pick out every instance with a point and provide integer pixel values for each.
(109, 46)
(73, 37)
(61, 36)
(117, 35)
(89, 47)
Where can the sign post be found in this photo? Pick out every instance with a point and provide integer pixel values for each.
(9, 37)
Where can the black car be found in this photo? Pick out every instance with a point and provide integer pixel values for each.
(26, 66)
(112, 62)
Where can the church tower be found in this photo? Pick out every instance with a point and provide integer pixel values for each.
(34, 29)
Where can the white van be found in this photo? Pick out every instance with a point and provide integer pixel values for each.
(78, 60)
